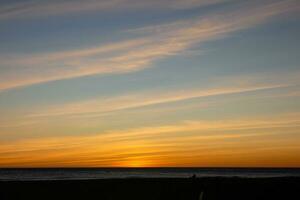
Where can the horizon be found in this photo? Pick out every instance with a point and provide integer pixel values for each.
(160, 84)
(96, 168)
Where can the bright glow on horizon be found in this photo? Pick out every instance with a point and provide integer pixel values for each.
(170, 83)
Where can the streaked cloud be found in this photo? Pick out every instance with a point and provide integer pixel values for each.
(223, 95)
(32, 8)
(151, 44)
(106, 105)
(159, 145)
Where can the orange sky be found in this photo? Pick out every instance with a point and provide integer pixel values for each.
(150, 83)
(257, 142)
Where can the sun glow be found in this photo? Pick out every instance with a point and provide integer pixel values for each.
(136, 163)
(194, 87)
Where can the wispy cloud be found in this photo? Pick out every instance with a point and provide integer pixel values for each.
(103, 106)
(52, 8)
(151, 43)
(158, 144)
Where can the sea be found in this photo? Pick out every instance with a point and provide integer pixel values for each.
(112, 173)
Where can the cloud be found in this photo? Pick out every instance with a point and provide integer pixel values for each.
(33, 9)
(158, 145)
(103, 106)
(150, 44)
(20, 70)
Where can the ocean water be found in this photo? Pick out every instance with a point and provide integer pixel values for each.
(108, 173)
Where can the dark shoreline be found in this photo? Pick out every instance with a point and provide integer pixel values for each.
(210, 188)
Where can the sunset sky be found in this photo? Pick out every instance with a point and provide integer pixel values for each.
(140, 83)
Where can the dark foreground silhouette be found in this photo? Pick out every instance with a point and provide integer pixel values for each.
(155, 189)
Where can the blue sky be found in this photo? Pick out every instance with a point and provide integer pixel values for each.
(87, 69)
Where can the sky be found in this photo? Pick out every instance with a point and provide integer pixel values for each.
(138, 83)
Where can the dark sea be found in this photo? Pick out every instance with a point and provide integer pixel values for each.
(109, 173)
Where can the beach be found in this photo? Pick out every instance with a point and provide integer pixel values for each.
(210, 188)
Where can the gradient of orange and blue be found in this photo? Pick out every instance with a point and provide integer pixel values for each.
(139, 83)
